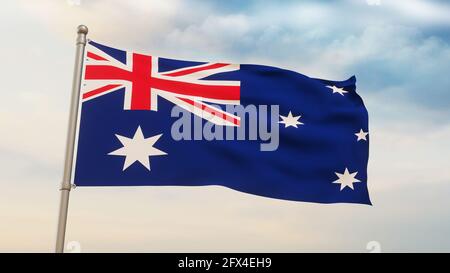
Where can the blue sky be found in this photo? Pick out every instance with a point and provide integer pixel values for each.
(399, 51)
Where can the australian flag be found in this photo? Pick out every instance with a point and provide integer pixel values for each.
(262, 130)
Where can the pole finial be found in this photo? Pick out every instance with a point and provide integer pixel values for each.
(82, 29)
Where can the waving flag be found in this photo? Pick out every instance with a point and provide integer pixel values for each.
(148, 120)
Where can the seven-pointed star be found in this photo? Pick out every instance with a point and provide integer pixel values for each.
(137, 148)
(290, 120)
(337, 90)
(346, 179)
(361, 135)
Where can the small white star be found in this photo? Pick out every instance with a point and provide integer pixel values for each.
(137, 148)
(362, 135)
(290, 120)
(346, 179)
(336, 89)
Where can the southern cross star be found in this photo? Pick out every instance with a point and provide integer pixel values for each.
(138, 149)
(290, 120)
(338, 90)
(361, 135)
(346, 179)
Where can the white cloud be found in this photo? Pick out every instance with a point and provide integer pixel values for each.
(425, 11)
(106, 19)
(211, 34)
(406, 11)
(406, 151)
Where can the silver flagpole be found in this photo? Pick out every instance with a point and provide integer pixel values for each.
(66, 183)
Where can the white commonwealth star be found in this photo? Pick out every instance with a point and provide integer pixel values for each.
(137, 148)
(290, 120)
(362, 135)
(337, 90)
(346, 179)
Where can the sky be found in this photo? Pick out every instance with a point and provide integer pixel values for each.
(399, 51)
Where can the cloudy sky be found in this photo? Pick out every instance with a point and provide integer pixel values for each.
(399, 50)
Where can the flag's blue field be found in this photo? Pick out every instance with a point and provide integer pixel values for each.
(319, 150)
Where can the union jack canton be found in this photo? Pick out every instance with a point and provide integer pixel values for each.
(109, 70)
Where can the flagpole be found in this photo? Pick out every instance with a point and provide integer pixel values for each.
(70, 144)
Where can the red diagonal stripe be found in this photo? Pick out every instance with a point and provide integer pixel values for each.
(212, 111)
(99, 90)
(196, 69)
(95, 56)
